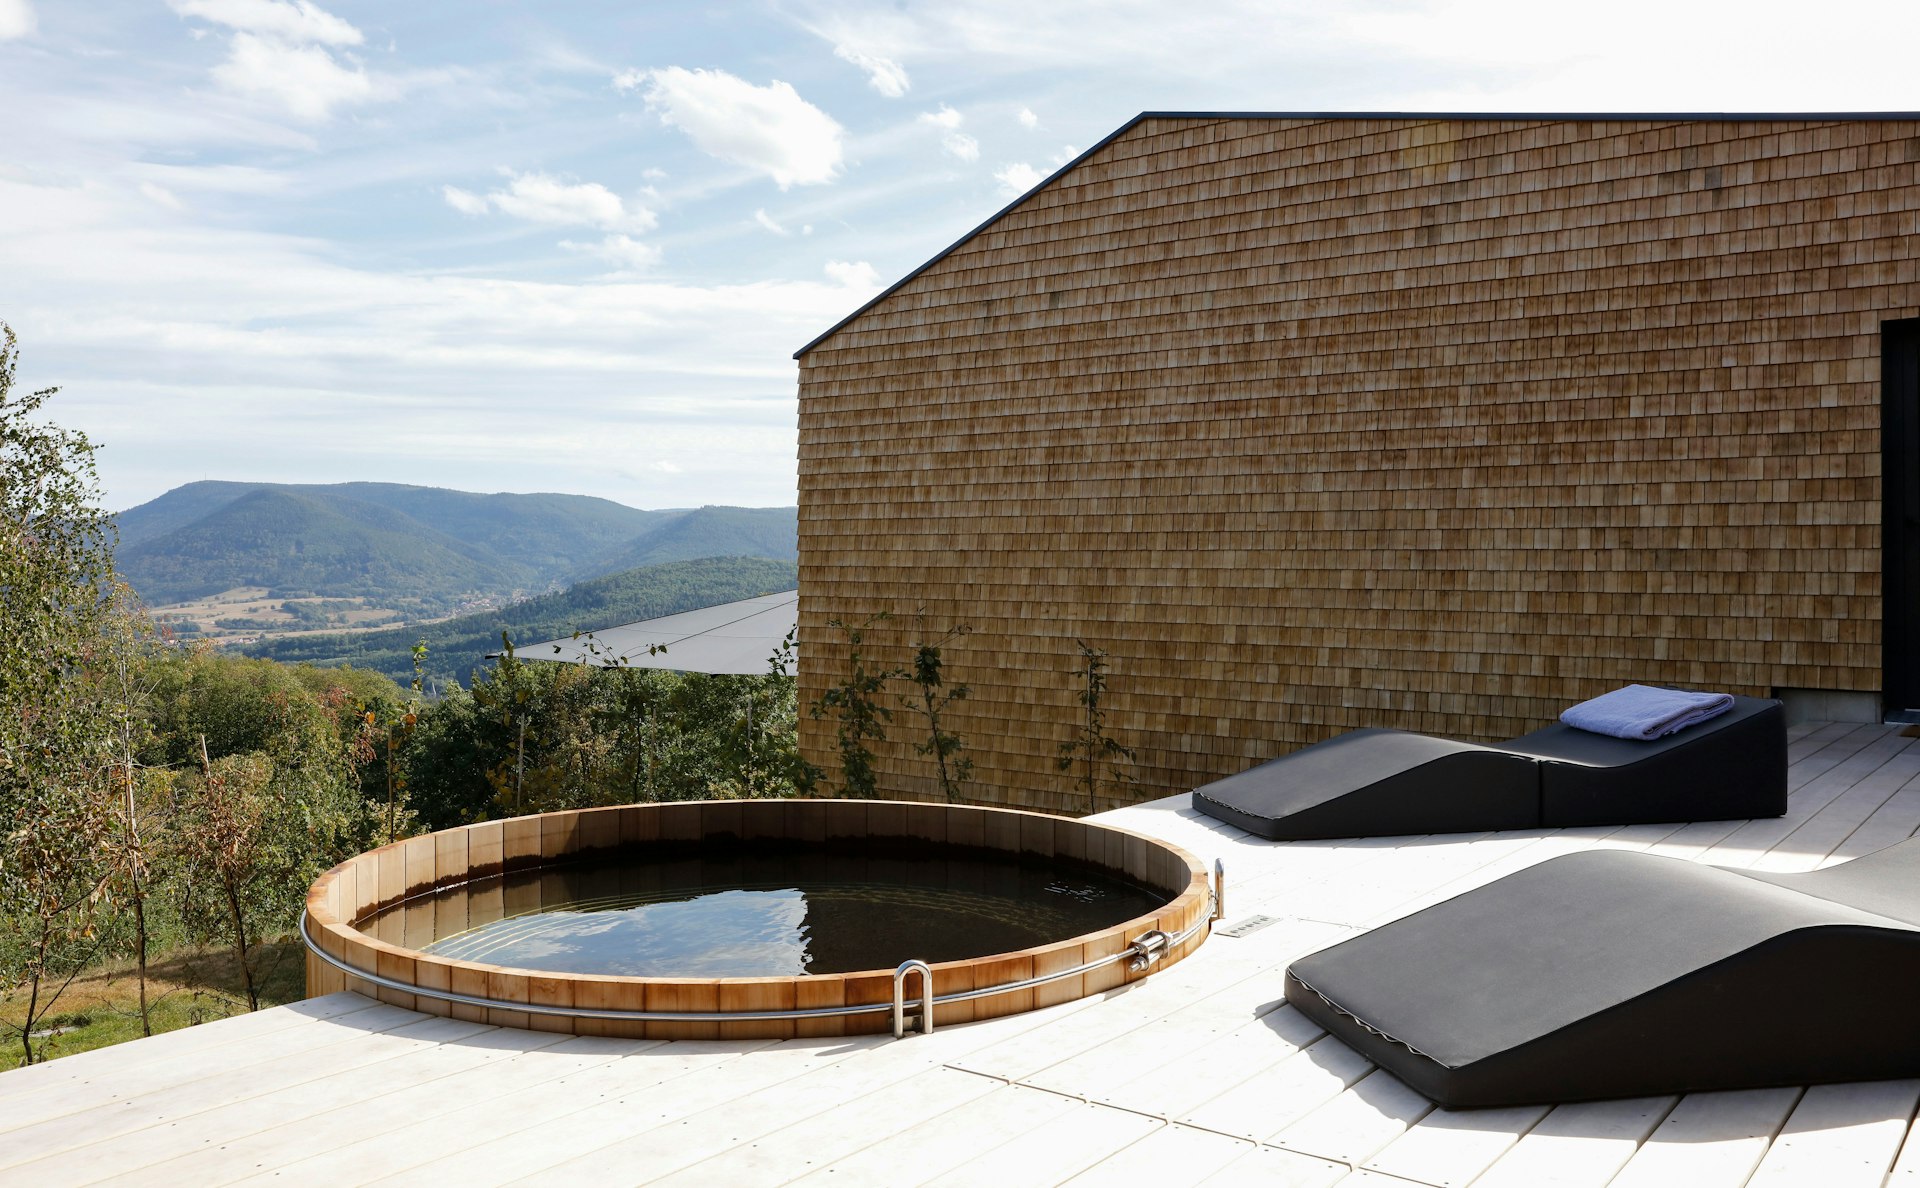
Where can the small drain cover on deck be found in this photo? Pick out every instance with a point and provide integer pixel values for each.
(1243, 927)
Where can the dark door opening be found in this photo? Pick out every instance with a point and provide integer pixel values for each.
(1900, 516)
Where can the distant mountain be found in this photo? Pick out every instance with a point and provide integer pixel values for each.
(456, 647)
(413, 547)
(303, 545)
(708, 532)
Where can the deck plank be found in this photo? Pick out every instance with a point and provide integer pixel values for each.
(1840, 1136)
(842, 1114)
(383, 1136)
(392, 1061)
(233, 1146)
(1269, 1101)
(1175, 1156)
(1271, 1167)
(1239, 1055)
(1073, 1142)
(1578, 1146)
(1450, 1148)
(61, 1122)
(120, 1060)
(524, 1132)
(1906, 1168)
(1373, 1112)
(98, 1080)
(1709, 1140)
(1808, 846)
(920, 1151)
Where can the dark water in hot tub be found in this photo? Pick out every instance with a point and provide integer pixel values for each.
(762, 915)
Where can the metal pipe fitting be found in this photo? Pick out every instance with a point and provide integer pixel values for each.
(1148, 948)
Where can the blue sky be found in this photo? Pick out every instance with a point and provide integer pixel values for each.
(572, 246)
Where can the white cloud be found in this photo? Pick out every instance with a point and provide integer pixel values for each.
(959, 144)
(213, 179)
(629, 253)
(766, 220)
(305, 79)
(283, 53)
(856, 274)
(162, 196)
(16, 19)
(540, 198)
(1067, 153)
(464, 201)
(543, 198)
(955, 142)
(1017, 178)
(298, 21)
(883, 74)
(770, 129)
(1027, 119)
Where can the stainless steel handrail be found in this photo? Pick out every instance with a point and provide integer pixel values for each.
(1128, 953)
(900, 996)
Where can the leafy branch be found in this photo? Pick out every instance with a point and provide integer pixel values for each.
(1091, 745)
(931, 699)
(859, 717)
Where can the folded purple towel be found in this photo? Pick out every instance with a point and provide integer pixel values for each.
(1644, 713)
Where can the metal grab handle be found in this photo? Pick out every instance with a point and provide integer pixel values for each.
(899, 997)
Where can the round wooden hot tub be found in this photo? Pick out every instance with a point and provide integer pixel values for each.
(368, 919)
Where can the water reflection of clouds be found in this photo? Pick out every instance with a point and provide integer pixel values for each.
(726, 934)
(762, 918)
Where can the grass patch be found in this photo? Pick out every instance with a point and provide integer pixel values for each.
(184, 988)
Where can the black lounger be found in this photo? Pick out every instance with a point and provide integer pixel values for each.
(1618, 974)
(1370, 783)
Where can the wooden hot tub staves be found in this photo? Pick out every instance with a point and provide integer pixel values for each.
(394, 971)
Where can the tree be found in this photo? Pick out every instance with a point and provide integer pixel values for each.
(859, 717)
(225, 834)
(395, 728)
(1090, 743)
(126, 669)
(773, 765)
(274, 781)
(446, 761)
(56, 592)
(934, 696)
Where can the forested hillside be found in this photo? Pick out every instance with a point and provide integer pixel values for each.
(419, 550)
(457, 646)
(297, 545)
(707, 532)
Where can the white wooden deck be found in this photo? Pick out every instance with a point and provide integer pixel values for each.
(1197, 1075)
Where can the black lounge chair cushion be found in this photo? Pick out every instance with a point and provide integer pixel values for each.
(1617, 974)
(1728, 767)
(1369, 783)
(1351, 785)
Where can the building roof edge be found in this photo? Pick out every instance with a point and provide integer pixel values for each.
(1729, 117)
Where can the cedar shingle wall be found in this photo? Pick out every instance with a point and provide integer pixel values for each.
(1325, 424)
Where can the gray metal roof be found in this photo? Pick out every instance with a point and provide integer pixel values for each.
(734, 638)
